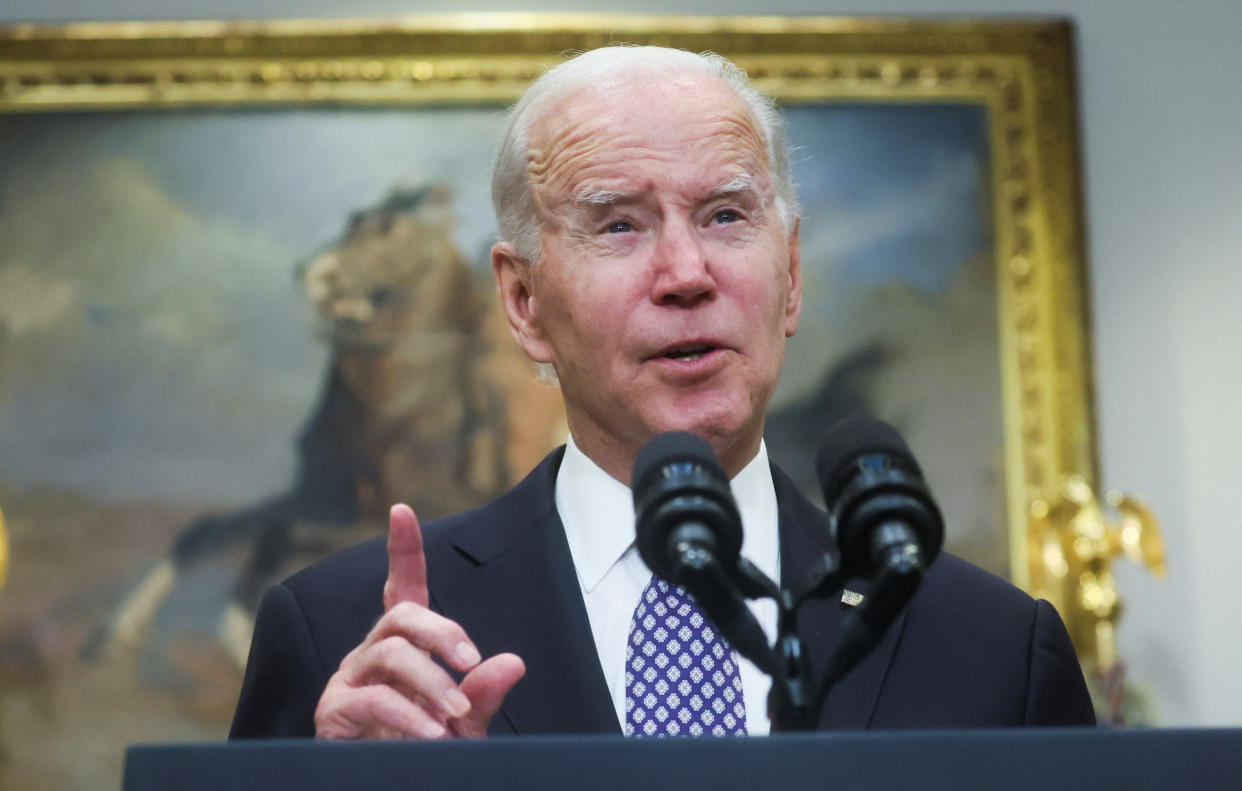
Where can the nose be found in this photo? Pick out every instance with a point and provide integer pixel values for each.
(682, 270)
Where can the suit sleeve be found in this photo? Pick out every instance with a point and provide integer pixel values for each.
(284, 674)
(1056, 692)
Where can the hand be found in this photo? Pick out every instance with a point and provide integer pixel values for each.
(389, 686)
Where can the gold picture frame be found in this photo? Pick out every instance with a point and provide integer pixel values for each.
(1020, 70)
(1018, 73)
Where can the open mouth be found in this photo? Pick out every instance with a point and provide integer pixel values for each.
(689, 352)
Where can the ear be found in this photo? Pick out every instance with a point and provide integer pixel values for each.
(515, 285)
(793, 302)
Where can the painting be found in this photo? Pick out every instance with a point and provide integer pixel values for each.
(245, 304)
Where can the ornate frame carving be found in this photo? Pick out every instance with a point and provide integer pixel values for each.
(1021, 71)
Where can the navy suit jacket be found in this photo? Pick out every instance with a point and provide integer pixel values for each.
(970, 651)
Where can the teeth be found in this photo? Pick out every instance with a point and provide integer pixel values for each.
(689, 353)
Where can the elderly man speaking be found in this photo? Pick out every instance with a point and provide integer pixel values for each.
(650, 257)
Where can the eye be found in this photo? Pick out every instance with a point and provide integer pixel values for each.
(619, 226)
(725, 216)
(379, 296)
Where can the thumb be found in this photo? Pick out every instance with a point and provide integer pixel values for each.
(486, 687)
(407, 566)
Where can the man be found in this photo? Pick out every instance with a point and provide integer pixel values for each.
(650, 257)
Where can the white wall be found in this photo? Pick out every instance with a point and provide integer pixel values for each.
(1162, 124)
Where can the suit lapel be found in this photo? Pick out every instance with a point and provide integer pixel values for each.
(804, 538)
(519, 592)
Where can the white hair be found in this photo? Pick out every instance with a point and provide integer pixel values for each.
(511, 189)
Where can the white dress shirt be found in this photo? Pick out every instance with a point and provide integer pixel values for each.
(598, 513)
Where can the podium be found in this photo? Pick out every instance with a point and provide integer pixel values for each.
(1017, 760)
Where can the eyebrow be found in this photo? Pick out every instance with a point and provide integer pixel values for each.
(743, 183)
(590, 197)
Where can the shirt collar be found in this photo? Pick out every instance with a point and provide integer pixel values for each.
(597, 511)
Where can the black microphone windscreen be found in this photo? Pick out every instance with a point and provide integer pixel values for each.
(850, 440)
(670, 448)
(677, 481)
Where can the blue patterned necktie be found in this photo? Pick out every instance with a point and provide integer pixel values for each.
(681, 678)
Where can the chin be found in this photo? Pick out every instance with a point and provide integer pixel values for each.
(722, 429)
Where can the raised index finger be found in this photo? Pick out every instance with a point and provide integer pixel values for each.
(407, 566)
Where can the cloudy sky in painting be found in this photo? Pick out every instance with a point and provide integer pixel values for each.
(155, 341)
(154, 344)
(892, 195)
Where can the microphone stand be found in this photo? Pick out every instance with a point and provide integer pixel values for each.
(795, 700)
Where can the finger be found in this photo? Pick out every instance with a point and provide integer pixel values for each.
(407, 566)
(396, 663)
(486, 686)
(373, 712)
(429, 631)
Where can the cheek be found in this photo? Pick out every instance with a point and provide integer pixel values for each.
(761, 297)
(584, 315)
(600, 288)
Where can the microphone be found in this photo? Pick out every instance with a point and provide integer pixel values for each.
(885, 523)
(689, 532)
(686, 516)
(883, 515)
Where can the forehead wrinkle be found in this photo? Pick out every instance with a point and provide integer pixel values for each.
(541, 160)
(585, 146)
(571, 135)
(568, 160)
(591, 169)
